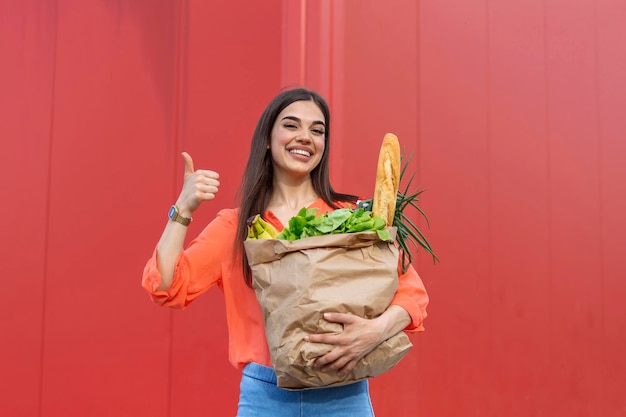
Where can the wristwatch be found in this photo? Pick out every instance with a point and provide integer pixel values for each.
(176, 217)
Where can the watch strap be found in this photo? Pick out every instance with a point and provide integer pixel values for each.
(175, 216)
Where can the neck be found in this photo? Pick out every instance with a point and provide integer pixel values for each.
(293, 196)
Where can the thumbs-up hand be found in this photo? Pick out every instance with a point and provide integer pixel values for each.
(199, 185)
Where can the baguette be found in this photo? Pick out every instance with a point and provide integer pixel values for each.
(387, 179)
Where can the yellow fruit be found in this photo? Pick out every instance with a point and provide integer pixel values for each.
(260, 229)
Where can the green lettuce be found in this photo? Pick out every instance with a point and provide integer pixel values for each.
(306, 224)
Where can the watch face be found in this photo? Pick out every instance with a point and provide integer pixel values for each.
(172, 212)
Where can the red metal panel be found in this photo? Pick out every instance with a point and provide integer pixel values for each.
(336, 50)
(574, 319)
(318, 63)
(456, 378)
(611, 101)
(293, 43)
(374, 87)
(27, 49)
(519, 208)
(105, 346)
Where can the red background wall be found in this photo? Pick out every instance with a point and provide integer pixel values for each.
(515, 112)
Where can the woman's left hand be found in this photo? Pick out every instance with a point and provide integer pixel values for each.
(359, 337)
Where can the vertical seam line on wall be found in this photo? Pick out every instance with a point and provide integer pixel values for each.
(417, 103)
(178, 81)
(418, 142)
(546, 77)
(331, 50)
(336, 39)
(488, 137)
(303, 29)
(47, 208)
(600, 189)
(284, 43)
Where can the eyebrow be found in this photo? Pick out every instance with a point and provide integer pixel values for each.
(295, 119)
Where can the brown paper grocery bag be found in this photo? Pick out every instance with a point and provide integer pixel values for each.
(296, 282)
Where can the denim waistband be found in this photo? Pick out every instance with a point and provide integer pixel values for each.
(260, 396)
(260, 372)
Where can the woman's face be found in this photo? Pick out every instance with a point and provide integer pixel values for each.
(298, 139)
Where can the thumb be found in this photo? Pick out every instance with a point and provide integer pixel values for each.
(188, 163)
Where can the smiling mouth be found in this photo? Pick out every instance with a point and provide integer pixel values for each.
(300, 152)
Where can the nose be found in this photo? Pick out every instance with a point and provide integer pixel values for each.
(304, 136)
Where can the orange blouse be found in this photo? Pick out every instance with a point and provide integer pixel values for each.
(211, 260)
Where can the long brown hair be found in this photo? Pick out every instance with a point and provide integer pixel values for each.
(256, 187)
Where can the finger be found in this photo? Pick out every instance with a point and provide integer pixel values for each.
(325, 362)
(188, 164)
(339, 318)
(347, 368)
(337, 365)
(204, 196)
(208, 189)
(212, 175)
(326, 338)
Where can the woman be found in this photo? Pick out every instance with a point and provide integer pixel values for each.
(287, 169)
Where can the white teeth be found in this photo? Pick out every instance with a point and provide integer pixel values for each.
(301, 152)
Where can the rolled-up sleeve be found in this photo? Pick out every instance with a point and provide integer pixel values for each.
(198, 268)
(411, 295)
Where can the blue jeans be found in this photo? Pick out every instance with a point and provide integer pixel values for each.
(260, 397)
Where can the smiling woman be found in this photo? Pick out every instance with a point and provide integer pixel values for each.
(287, 170)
